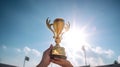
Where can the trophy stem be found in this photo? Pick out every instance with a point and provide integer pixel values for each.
(57, 40)
(57, 45)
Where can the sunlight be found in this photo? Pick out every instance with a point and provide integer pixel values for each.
(75, 38)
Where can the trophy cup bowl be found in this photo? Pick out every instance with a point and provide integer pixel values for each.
(58, 28)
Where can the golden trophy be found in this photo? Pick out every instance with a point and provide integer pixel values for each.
(58, 28)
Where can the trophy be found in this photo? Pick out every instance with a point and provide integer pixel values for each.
(58, 28)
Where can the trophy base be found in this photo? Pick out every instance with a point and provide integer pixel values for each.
(58, 56)
(58, 52)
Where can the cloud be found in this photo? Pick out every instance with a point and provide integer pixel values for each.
(4, 47)
(35, 52)
(75, 54)
(101, 51)
(34, 56)
(109, 52)
(119, 59)
(28, 50)
(18, 50)
(92, 61)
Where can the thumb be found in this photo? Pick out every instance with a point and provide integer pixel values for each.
(51, 46)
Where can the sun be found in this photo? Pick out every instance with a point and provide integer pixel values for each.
(75, 38)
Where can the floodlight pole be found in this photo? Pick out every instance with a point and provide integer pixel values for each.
(24, 63)
(84, 50)
(85, 58)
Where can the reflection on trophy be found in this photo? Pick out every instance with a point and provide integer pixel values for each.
(58, 28)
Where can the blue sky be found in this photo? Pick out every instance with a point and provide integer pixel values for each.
(23, 30)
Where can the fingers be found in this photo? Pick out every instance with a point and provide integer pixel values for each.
(58, 61)
(55, 61)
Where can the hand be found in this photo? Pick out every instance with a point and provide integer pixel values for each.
(62, 62)
(45, 58)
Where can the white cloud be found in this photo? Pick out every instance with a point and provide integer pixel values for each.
(35, 52)
(95, 61)
(119, 59)
(97, 50)
(4, 47)
(101, 51)
(18, 50)
(34, 56)
(94, 54)
(26, 50)
(109, 52)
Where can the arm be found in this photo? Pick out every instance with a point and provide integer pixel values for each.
(45, 58)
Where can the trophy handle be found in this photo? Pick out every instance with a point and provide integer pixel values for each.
(66, 27)
(49, 26)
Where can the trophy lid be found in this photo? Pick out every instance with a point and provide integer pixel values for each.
(59, 19)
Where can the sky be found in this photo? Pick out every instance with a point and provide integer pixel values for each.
(94, 24)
